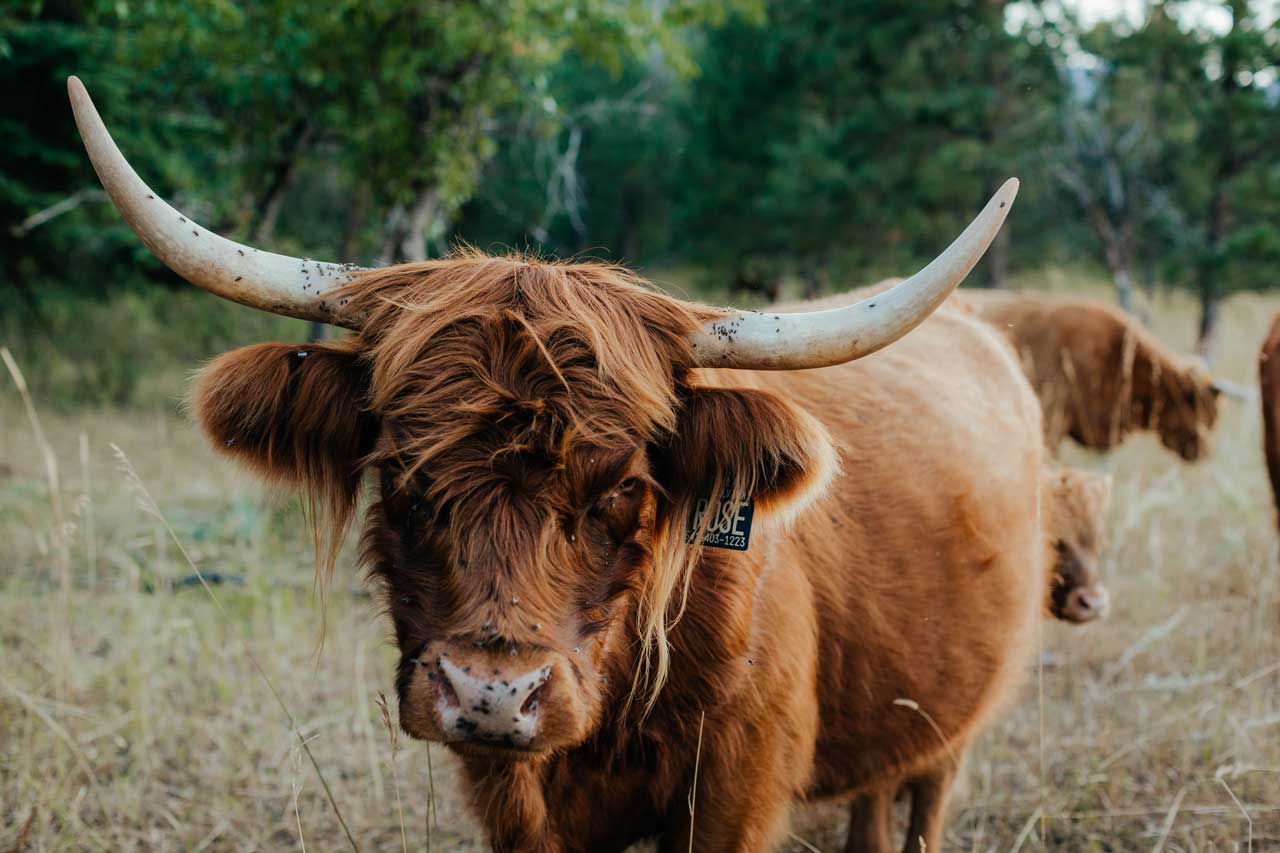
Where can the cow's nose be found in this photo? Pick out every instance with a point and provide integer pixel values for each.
(501, 708)
(1088, 603)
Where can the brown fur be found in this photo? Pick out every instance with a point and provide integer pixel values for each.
(1100, 375)
(540, 442)
(1075, 508)
(1269, 385)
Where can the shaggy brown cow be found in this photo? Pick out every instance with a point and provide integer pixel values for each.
(1075, 508)
(1269, 385)
(1100, 375)
(637, 593)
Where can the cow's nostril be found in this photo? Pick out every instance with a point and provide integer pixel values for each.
(447, 692)
(531, 703)
(1088, 603)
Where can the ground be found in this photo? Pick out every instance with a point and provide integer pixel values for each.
(132, 716)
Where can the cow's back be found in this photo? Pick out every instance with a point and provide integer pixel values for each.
(924, 556)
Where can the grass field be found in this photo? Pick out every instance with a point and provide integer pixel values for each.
(132, 716)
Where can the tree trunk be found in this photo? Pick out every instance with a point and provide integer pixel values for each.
(1206, 338)
(1120, 265)
(628, 227)
(267, 207)
(1124, 289)
(355, 215)
(811, 280)
(1208, 271)
(1228, 166)
(409, 228)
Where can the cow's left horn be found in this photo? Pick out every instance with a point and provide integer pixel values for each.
(772, 341)
(1230, 389)
(295, 287)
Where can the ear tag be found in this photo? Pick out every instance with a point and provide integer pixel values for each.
(730, 523)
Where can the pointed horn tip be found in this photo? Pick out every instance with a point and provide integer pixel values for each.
(75, 88)
(1008, 190)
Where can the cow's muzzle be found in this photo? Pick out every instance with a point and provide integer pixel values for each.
(1086, 604)
(508, 698)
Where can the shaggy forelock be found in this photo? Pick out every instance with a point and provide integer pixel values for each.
(474, 357)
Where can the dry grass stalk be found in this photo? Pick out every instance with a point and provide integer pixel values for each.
(295, 789)
(61, 533)
(942, 738)
(20, 842)
(1248, 819)
(50, 468)
(805, 844)
(1027, 828)
(86, 512)
(29, 702)
(149, 506)
(693, 789)
(433, 818)
(395, 772)
(1169, 818)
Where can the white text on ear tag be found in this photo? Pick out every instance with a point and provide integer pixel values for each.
(729, 525)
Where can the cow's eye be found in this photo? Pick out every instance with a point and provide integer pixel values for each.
(609, 499)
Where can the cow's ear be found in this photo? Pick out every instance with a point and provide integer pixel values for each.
(742, 435)
(1077, 494)
(1097, 491)
(295, 414)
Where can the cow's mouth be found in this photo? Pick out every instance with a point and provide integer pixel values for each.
(494, 750)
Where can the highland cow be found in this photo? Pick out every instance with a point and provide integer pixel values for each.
(640, 553)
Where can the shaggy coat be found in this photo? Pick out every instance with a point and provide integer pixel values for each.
(1100, 375)
(538, 440)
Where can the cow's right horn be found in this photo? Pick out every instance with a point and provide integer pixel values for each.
(776, 341)
(294, 287)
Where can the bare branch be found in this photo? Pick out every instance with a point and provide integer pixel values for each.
(53, 211)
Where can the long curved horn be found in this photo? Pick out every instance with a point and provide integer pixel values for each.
(294, 287)
(1227, 388)
(770, 341)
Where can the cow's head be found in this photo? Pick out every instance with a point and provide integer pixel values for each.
(1171, 394)
(536, 439)
(1185, 409)
(1076, 512)
(1178, 398)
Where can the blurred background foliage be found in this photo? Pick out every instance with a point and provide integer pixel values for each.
(748, 144)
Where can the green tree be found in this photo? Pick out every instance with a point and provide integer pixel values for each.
(859, 135)
(1235, 233)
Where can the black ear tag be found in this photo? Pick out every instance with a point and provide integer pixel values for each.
(730, 524)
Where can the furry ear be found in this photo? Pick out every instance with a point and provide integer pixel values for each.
(751, 440)
(1084, 491)
(1097, 490)
(295, 414)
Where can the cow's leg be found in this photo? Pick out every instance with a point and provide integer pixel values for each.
(929, 794)
(871, 823)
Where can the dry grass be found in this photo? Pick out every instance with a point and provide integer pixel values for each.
(131, 717)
